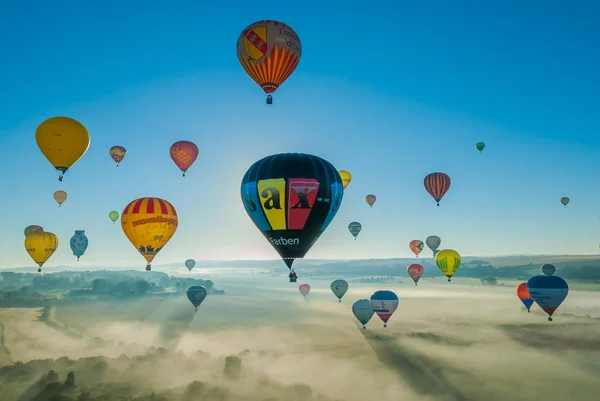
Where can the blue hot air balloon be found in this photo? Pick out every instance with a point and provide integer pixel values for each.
(190, 263)
(354, 228)
(548, 270)
(384, 303)
(548, 292)
(79, 243)
(363, 311)
(196, 295)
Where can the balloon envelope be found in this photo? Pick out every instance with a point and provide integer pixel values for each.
(384, 303)
(292, 198)
(346, 178)
(196, 294)
(480, 146)
(437, 184)
(548, 269)
(60, 197)
(114, 215)
(524, 296)
(117, 153)
(371, 199)
(184, 154)
(79, 243)
(416, 246)
(362, 310)
(190, 263)
(448, 261)
(433, 242)
(40, 246)
(339, 288)
(415, 271)
(33, 229)
(565, 201)
(304, 289)
(548, 292)
(63, 141)
(149, 224)
(269, 52)
(354, 228)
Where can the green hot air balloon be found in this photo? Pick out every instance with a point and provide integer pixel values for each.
(480, 146)
(292, 198)
(339, 288)
(114, 215)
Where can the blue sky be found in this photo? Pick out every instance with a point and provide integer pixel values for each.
(389, 92)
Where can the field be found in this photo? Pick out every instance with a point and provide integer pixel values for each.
(447, 341)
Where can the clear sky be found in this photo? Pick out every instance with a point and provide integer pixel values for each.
(387, 90)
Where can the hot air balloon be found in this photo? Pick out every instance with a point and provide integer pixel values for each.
(565, 201)
(548, 270)
(114, 215)
(416, 246)
(196, 294)
(269, 52)
(548, 292)
(117, 153)
(480, 146)
(40, 246)
(415, 271)
(363, 311)
(184, 154)
(190, 263)
(60, 197)
(339, 288)
(304, 289)
(384, 303)
(346, 177)
(371, 200)
(33, 229)
(437, 184)
(448, 261)
(292, 198)
(149, 223)
(524, 296)
(433, 242)
(63, 141)
(354, 228)
(79, 243)
(436, 252)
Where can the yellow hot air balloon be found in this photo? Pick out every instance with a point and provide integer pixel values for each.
(63, 141)
(40, 246)
(346, 178)
(60, 197)
(448, 261)
(149, 223)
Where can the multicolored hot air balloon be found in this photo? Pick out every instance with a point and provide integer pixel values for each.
(371, 200)
(339, 288)
(33, 229)
(79, 243)
(437, 184)
(63, 141)
(346, 177)
(149, 223)
(117, 153)
(304, 289)
(565, 201)
(184, 154)
(269, 52)
(415, 271)
(196, 294)
(354, 228)
(363, 311)
(433, 242)
(416, 246)
(548, 292)
(384, 303)
(448, 261)
(190, 263)
(60, 197)
(480, 146)
(436, 252)
(548, 269)
(292, 198)
(114, 215)
(40, 246)
(524, 296)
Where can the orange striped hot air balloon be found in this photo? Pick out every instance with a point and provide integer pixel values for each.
(437, 184)
(149, 223)
(269, 52)
(184, 154)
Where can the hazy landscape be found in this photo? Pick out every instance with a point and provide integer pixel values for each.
(133, 335)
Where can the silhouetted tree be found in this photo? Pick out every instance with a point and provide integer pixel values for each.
(233, 367)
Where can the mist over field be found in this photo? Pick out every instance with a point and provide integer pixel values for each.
(256, 338)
